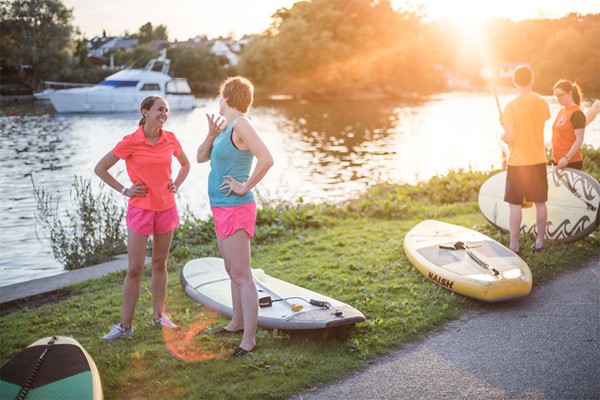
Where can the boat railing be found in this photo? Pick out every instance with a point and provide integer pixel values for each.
(64, 85)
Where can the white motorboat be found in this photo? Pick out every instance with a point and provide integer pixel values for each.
(125, 90)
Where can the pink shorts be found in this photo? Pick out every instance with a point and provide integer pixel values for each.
(229, 220)
(147, 222)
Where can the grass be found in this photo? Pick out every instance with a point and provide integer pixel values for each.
(352, 252)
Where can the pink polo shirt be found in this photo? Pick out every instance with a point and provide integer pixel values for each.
(151, 164)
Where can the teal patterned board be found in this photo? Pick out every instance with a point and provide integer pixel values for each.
(52, 368)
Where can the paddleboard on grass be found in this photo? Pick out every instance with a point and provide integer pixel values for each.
(573, 205)
(467, 262)
(206, 281)
(55, 367)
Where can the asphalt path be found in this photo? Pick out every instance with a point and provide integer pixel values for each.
(544, 346)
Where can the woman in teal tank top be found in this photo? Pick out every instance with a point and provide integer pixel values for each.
(231, 145)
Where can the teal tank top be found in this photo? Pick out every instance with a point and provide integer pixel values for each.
(226, 159)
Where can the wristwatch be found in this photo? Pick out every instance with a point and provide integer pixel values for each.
(123, 190)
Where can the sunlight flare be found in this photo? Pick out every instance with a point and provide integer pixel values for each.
(182, 343)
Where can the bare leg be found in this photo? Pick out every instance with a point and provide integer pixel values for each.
(237, 319)
(514, 225)
(136, 251)
(236, 252)
(160, 253)
(541, 217)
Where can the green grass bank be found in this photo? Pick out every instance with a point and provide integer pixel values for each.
(351, 251)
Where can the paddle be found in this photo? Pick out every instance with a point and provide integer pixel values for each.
(499, 107)
(592, 112)
(258, 275)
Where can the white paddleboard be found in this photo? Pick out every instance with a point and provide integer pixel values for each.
(206, 281)
(482, 269)
(573, 205)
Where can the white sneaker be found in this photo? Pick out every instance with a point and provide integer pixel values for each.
(118, 332)
(166, 322)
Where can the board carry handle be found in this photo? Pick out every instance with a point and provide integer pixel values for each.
(479, 261)
(258, 275)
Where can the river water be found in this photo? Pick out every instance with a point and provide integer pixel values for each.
(322, 150)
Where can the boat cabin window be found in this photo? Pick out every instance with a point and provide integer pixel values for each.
(151, 86)
(119, 84)
(178, 86)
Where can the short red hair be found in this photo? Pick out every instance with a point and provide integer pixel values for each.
(238, 92)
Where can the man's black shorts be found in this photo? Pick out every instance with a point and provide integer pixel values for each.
(526, 182)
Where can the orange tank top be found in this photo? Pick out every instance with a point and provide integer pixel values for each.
(563, 134)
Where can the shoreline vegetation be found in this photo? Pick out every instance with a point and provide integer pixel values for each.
(351, 251)
(313, 49)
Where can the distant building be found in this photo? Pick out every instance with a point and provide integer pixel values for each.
(98, 47)
(229, 48)
(226, 47)
(195, 42)
(221, 48)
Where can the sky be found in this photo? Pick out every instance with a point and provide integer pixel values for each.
(186, 19)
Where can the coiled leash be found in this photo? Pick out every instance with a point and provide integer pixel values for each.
(479, 261)
(34, 371)
(267, 301)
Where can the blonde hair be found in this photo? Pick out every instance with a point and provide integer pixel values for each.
(238, 92)
(147, 104)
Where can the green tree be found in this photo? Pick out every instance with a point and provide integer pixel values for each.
(36, 33)
(339, 47)
(161, 33)
(573, 55)
(147, 33)
(203, 69)
(81, 53)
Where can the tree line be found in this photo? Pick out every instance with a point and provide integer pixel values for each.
(322, 48)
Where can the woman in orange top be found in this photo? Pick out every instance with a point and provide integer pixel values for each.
(569, 127)
(148, 153)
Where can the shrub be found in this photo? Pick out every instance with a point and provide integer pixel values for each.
(89, 233)
(397, 201)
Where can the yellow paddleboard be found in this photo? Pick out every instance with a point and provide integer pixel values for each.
(467, 262)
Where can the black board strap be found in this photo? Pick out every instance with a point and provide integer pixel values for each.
(479, 261)
(34, 371)
(267, 301)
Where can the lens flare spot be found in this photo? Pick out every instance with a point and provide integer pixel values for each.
(181, 343)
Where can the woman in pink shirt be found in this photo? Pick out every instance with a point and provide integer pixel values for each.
(148, 153)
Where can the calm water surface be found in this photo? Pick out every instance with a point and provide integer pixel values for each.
(322, 150)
